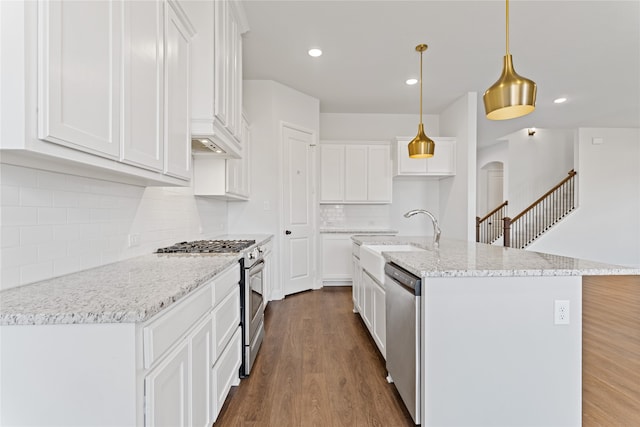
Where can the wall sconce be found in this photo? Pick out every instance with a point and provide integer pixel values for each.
(531, 131)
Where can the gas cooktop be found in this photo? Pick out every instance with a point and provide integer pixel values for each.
(208, 246)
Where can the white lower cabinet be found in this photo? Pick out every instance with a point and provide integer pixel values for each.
(336, 259)
(174, 369)
(373, 310)
(357, 285)
(200, 356)
(166, 390)
(225, 371)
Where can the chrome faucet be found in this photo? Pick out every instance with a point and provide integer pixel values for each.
(436, 227)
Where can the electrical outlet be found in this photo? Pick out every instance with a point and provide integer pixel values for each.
(561, 312)
(134, 240)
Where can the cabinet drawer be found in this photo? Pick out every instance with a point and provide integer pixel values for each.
(160, 334)
(225, 282)
(226, 371)
(226, 319)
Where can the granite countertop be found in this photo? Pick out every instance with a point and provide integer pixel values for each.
(458, 258)
(128, 291)
(357, 230)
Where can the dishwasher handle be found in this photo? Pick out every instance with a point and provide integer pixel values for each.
(409, 281)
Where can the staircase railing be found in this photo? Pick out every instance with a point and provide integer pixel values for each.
(532, 222)
(489, 228)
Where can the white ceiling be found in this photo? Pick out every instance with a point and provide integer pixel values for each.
(587, 51)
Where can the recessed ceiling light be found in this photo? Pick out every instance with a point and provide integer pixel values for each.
(560, 100)
(315, 52)
(412, 81)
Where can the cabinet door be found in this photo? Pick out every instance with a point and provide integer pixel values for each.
(336, 257)
(79, 75)
(379, 318)
(444, 160)
(356, 173)
(357, 285)
(143, 108)
(405, 165)
(367, 299)
(379, 174)
(200, 344)
(166, 393)
(332, 173)
(221, 67)
(177, 134)
(225, 372)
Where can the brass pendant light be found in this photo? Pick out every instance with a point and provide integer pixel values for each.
(512, 95)
(421, 146)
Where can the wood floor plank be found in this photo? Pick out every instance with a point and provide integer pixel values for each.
(611, 351)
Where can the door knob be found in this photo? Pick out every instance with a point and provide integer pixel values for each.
(287, 232)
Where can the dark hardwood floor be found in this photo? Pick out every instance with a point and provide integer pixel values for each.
(317, 367)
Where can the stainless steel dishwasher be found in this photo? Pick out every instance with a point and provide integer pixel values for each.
(402, 304)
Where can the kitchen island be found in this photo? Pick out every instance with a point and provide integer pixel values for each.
(492, 350)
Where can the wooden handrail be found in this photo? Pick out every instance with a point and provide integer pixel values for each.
(572, 173)
(506, 202)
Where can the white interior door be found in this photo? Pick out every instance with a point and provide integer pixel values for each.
(494, 188)
(299, 253)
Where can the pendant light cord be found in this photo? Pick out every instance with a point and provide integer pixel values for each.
(507, 21)
(421, 87)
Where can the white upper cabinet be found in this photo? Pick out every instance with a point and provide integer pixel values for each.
(355, 173)
(143, 109)
(177, 101)
(79, 75)
(216, 105)
(98, 88)
(442, 164)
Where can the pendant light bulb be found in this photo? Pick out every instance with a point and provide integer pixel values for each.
(421, 146)
(512, 95)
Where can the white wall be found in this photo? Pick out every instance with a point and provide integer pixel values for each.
(267, 105)
(408, 193)
(537, 163)
(458, 194)
(54, 224)
(606, 225)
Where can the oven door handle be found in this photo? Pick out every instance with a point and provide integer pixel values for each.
(257, 267)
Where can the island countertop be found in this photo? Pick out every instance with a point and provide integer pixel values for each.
(459, 258)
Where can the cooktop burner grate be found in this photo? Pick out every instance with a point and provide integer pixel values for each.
(208, 246)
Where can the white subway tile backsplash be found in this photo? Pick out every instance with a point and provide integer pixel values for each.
(19, 255)
(78, 215)
(34, 272)
(10, 196)
(52, 180)
(52, 216)
(66, 265)
(55, 224)
(35, 197)
(9, 277)
(33, 235)
(65, 199)
(19, 215)
(18, 176)
(9, 236)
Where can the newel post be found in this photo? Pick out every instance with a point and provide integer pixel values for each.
(507, 231)
(477, 229)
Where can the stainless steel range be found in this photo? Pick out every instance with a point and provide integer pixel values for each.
(251, 289)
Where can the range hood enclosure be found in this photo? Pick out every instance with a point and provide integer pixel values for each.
(211, 145)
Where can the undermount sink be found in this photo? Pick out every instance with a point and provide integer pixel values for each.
(373, 262)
